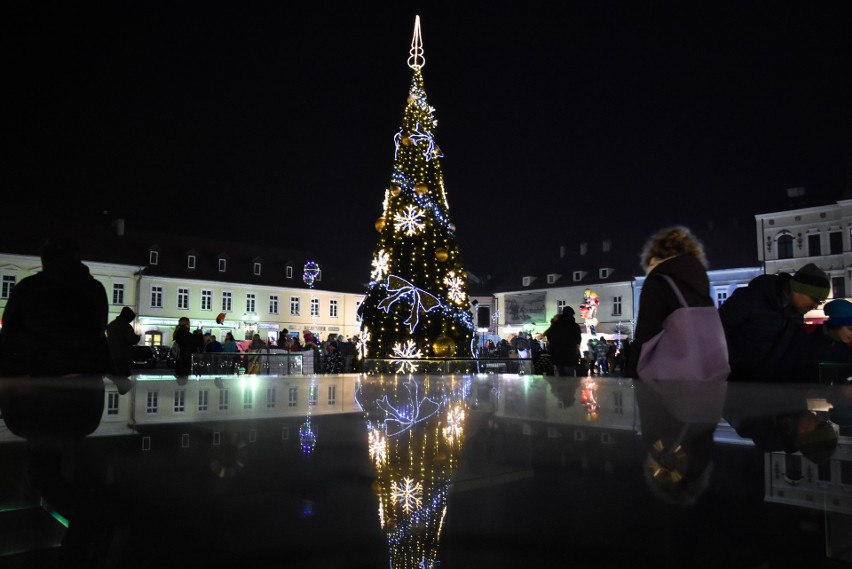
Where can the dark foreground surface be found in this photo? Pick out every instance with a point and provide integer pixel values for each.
(450, 471)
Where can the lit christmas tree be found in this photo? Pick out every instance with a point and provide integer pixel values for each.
(417, 304)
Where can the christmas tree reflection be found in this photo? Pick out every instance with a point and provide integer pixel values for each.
(415, 430)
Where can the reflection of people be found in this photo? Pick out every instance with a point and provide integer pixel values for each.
(678, 420)
(763, 322)
(64, 292)
(677, 253)
(564, 389)
(121, 338)
(781, 422)
(72, 477)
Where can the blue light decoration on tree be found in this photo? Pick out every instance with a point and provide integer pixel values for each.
(417, 301)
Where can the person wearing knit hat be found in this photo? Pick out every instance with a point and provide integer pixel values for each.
(827, 350)
(810, 281)
(839, 312)
(764, 325)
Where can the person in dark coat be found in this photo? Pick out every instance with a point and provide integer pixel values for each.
(676, 252)
(121, 338)
(188, 343)
(826, 348)
(55, 321)
(563, 343)
(763, 322)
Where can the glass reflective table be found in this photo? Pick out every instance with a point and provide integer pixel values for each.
(449, 468)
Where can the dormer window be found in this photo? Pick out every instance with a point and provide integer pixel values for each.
(190, 261)
(153, 257)
(578, 276)
(223, 264)
(289, 271)
(551, 278)
(257, 269)
(527, 281)
(604, 273)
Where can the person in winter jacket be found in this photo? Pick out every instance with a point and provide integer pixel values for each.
(676, 252)
(823, 347)
(33, 342)
(563, 343)
(121, 338)
(763, 322)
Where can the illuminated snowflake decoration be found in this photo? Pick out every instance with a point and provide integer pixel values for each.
(381, 263)
(378, 447)
(406, 352)
(407, 494)
(454, 287)
(361, 346)
(410, 220)
(455, 424)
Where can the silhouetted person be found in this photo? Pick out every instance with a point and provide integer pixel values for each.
(188, 344)
(563, 343)
(763, 322)
(121, 338)
(55, 321)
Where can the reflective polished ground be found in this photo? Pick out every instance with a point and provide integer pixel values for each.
(450, 470)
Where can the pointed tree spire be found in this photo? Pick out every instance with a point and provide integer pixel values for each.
(416, 59)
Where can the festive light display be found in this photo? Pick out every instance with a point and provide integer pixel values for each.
(415, 431)
(418, 285)
(311, 273)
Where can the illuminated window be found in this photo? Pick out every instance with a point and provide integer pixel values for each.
(117, 293)
(180, 401)
(183, 298)
(156, 296)
(112, 403)
(203, 399)
(151, 402)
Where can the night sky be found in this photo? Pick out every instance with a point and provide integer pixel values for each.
(274, 121)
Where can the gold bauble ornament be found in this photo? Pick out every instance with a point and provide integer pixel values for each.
(442, 254)
(394, 190)
(380, 224)
(421, 188)
(406, 140)
(444, 347)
